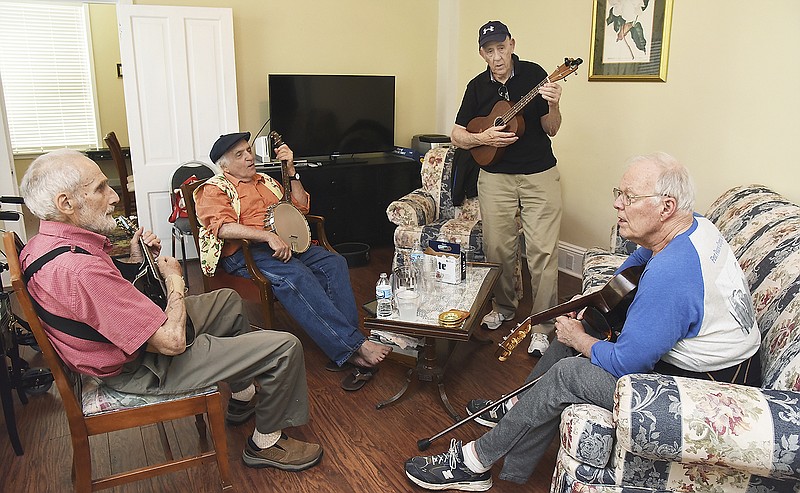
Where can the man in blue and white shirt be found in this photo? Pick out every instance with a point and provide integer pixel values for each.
(692, 315)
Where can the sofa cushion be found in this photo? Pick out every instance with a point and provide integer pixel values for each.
(709, 423)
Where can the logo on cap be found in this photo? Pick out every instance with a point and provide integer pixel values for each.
(488, 29)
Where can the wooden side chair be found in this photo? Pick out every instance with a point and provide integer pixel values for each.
(127, 194)
(93, 409)
(257, 289)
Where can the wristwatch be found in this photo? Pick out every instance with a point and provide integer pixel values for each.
(296, 176)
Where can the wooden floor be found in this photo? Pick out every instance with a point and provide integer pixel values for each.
(364, 448)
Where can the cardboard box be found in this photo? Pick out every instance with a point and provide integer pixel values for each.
(451, 266)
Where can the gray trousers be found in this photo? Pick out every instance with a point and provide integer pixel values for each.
(525, 432)
(226, 350)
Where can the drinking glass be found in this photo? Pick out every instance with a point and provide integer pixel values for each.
(469, 257)
(408, 302)
(407, 291)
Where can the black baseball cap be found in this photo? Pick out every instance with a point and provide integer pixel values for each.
(225, 142)
(492, 31)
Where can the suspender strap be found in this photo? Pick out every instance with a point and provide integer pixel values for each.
(65, 325)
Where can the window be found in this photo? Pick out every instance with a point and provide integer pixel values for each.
(46, 76)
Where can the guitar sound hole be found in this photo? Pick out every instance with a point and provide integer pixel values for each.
(498, 122)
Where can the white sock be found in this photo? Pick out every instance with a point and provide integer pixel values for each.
(508, 404)
(244, 395)
(266, 440)
(471, 459)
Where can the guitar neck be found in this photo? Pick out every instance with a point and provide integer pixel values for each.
(520, 105)
(569, 306)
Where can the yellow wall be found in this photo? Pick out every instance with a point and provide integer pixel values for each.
(728, 109)
(335, 37)
(105, 51)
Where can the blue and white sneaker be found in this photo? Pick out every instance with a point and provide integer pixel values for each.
(447, 471)
(491, 416)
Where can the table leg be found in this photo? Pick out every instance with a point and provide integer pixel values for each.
(446, 402)
(399, 394)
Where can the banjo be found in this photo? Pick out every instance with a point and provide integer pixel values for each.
(283, 218)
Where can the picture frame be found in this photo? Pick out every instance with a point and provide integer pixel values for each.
(630, 40)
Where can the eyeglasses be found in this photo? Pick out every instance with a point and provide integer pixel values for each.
(628, 199)
(502, 91)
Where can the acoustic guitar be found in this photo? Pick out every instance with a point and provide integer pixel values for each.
(604, 315)
(504, 114)
(283, 218)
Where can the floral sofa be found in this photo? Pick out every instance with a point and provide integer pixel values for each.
(685, 435)
(428, 213)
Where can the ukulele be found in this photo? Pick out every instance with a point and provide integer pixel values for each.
(283, 218)
(503, 114)
(605, 311)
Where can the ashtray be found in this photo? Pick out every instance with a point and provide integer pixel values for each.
(452, 318)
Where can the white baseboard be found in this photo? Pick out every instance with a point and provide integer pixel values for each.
(570, 259)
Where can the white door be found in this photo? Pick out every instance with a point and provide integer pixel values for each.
(179, 78)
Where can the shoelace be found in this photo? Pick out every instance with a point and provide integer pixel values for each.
(451, 455)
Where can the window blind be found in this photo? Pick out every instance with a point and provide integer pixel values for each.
(46, 76)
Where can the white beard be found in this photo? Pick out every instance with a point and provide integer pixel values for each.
(103, 225)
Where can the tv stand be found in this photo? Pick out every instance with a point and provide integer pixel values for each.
(353, 194)
(345, 160)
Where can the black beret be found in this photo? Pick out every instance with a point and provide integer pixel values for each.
(225, 142)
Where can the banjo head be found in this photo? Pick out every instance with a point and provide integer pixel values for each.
(286, 221)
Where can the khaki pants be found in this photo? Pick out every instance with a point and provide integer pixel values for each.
(537, 197)
(226, 350)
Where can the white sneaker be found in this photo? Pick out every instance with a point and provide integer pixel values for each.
(493, 319)
(539, 344)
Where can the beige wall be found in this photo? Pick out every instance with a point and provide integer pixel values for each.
(334, 37)
(728, 109)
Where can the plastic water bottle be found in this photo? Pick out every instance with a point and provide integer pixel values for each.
(383, 293)
(417, 257)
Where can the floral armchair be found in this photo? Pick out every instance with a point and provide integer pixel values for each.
(428, 213)
(685, 435)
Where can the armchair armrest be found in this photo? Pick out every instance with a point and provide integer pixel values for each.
(709, 423)
(587, 434)
(414, 209)
(319, 226)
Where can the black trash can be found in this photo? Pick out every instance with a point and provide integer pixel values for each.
(356, 254)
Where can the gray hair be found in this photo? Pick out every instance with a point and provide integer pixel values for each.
(673, 179)
(49, 175)
(222, 162)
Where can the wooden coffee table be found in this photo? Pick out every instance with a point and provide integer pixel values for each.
(431, 366)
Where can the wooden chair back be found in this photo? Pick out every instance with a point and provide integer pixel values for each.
(82, 426)
(257, 289)
(128, 198)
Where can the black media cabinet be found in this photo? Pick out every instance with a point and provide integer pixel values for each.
(353, 196)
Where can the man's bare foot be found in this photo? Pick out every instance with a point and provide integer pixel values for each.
(370, 354)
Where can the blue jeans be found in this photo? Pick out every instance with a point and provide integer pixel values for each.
(314, 287)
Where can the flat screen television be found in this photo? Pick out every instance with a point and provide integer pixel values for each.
(327, 116)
